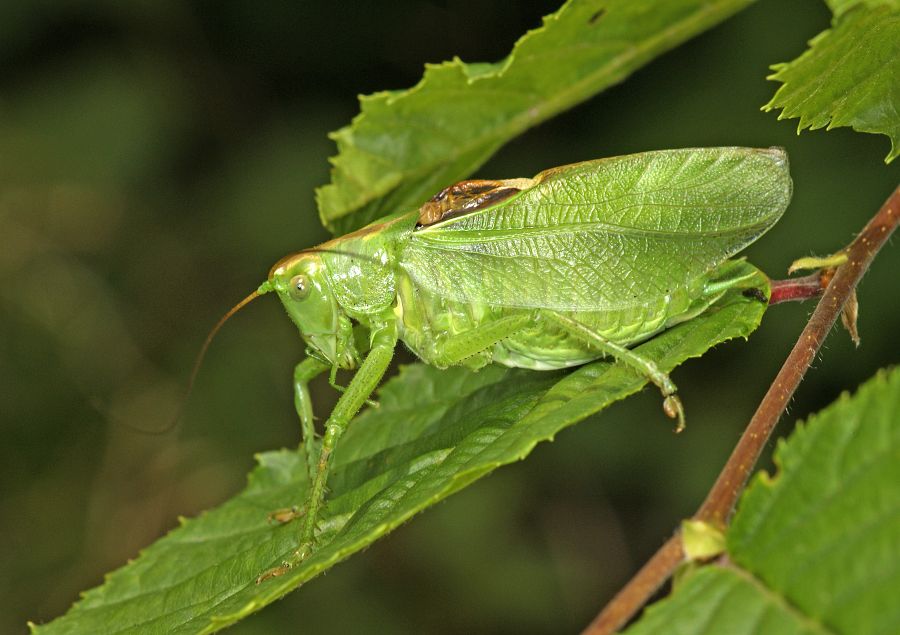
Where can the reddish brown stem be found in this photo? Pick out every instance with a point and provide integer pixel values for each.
(798, 289)
(720, 502)
(639, 589)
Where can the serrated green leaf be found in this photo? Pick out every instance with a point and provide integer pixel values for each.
(434, 433)
(716, 600)
(406, 145)
(839, 7)
(850, 75)
(815, 549)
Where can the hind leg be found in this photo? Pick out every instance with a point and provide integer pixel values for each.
(671, 404)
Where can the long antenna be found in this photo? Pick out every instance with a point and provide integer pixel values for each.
(209, 338)
(198, 362)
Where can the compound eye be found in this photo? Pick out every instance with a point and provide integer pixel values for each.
(299, 287)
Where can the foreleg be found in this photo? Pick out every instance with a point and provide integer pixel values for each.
(305, 372)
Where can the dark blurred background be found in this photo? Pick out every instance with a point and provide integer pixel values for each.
(157, 157)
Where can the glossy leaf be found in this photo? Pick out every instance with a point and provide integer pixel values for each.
(434, 433)
(406, 145)
(850, 75)
(838, 7)
(816, 548)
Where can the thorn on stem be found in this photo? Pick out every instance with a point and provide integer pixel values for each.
(849, 316)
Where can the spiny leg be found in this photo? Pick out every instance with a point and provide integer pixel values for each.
(304, 372)
(364, 382)
(671, 403)
(332, 381)
(361, 386)
(455, 348)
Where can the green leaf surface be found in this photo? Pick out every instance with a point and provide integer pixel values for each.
(850, 75)
(816, 548)
(406, 145)
(434, 433)
(838, 7)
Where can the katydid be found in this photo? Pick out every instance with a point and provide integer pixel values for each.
(580, 262)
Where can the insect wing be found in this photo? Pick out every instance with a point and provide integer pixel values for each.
(605, 234)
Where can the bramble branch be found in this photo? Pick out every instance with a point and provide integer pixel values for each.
(722, 498)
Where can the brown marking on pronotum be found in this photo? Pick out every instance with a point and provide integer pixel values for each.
(597, 15)
(466, 197)
(456, 198)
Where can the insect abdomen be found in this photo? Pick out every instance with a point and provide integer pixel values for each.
(427, 320)
(543, 347)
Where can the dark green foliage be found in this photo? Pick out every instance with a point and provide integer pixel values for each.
(814, 548)
(434, 433)
(156, 159)
(850, 76)
(406, 145)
